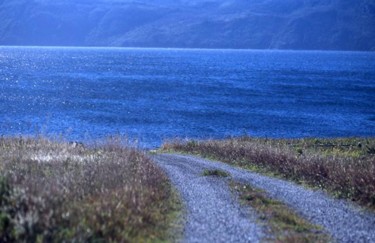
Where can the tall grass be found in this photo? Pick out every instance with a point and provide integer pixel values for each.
(52, 191)
(345, 167)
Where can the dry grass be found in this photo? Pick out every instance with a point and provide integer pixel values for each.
(52, 191)
(345, 167)
(284, 225)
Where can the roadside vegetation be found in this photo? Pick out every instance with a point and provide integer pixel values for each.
(342, 166)
(55, 191)
(284, 224)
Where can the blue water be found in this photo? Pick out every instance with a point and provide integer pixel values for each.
(157, 94)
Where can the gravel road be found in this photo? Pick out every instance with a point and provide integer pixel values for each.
(213, 216)
(212, 213)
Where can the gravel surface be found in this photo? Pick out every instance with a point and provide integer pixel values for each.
(213, 216)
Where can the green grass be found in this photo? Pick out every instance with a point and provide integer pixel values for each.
(343, 166)
(283, 224)
(53, 192)
(216, 172)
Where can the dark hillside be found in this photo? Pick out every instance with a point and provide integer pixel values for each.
(263, 24)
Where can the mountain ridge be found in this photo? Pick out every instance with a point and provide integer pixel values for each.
(235, 24)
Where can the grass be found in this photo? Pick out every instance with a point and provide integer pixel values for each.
(216, 172)
(53, 192)
(283, 224)
(342, 166)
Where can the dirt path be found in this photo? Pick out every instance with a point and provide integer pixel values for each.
(213, 216)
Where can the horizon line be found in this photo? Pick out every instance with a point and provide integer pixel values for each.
(176, 48)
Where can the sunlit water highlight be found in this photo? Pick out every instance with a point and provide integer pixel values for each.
(156, 94)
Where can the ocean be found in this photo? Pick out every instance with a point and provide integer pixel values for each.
(153, 95)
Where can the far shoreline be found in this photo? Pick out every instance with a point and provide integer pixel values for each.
(124, 48)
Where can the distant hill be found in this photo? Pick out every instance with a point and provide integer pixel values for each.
(260, 24)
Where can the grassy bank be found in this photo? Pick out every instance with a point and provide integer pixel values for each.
(52, 191)
(345, 166)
